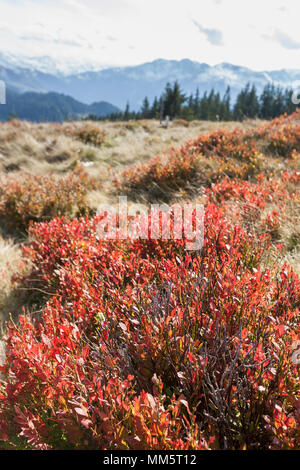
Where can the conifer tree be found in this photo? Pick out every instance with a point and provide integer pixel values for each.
(173, 99)
(145, 110)
(196, 105)
(225, 111)
(127, 112)
(155, 109)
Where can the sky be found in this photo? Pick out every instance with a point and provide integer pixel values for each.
(259, 34)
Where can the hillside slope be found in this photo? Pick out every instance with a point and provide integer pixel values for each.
(51, 106)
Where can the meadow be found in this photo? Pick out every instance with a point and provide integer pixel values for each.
(141, 344)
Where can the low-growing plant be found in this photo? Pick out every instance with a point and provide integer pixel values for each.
(88, 134)
(141, 344)
(234, 153)
(144, 346)
(27, 198)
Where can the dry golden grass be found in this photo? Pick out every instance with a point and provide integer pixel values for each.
(41, 148)
(289, 236)
(10, 263)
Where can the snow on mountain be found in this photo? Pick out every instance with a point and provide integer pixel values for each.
(47, 65)
(118, 85)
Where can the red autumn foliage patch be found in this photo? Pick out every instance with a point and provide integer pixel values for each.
(144, 345)
(234, 153)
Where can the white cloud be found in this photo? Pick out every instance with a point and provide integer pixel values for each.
(285, 40)
(258, 34)
(214, 36)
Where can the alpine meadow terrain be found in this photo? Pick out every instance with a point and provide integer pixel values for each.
(139, 343)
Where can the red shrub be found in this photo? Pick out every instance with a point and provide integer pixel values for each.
(143, 345)
(139, 337)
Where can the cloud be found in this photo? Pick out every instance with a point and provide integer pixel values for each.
(106, 8)
(111, 38)
(214, 36)
(286, 41)
(71, 32)
(283, 39)
(66, 42)
(47, 39)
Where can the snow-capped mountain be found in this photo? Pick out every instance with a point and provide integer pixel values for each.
(47, 65)
(118, 85)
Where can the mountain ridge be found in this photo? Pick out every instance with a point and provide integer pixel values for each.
(50, 107)
(119, 85)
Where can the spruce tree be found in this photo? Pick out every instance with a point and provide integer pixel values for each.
(225, 112)
(127, 112)
(145, 110)
(196, 105)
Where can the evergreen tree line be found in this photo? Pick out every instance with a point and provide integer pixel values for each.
(272, 102)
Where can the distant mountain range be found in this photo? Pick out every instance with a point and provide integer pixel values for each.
(51, 106)
(117, 85)
(58, 66)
